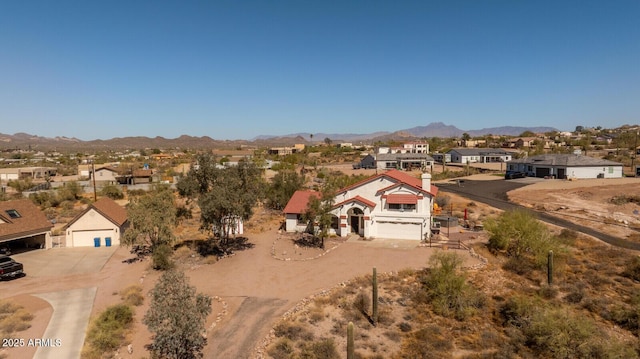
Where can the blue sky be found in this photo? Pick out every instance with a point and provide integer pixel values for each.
(238, 69)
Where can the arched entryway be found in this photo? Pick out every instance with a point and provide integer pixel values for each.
(356, 220)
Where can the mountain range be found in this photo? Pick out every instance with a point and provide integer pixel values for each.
(436, 129)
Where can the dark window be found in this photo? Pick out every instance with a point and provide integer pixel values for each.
(13, 213)
(402, 207)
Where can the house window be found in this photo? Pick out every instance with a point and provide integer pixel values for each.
(300, 219)
(402, 207)
(13, 213)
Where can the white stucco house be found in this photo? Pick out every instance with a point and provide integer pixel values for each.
(479, 155)
(101, 224)
(565, 166)
(392, 205)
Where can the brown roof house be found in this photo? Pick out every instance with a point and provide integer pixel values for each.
(101, 224)
(23, 224)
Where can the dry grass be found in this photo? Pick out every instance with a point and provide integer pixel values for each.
(13, 318)
(592, 301)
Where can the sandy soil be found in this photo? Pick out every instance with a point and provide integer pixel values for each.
(587, 202)
(252, 289)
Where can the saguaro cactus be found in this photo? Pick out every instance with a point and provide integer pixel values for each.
(550, 268)
(350, 345)
(374, 312)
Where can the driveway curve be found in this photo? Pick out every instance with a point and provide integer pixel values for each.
(65, 333)
(494, 193)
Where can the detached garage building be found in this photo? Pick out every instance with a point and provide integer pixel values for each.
(101, 224)
(566, 166)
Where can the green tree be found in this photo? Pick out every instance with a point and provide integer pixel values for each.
(282, 187)
(71, 191)
(152, 218)
(521, 236)
(223, 194)
(112, 191)
(446, 288)
(177, 317)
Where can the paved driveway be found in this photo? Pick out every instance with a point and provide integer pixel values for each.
(64, 261)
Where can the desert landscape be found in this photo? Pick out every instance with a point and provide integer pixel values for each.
(256, 288)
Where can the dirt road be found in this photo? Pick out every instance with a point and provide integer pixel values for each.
(494, 193)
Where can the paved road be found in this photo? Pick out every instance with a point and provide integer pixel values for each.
(64, 335)
(494, 193)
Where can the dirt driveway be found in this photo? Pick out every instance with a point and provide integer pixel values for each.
(254, 288)
(64, 261)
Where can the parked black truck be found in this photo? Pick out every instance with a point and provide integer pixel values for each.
(9, 268)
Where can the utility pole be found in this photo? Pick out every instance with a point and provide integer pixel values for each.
(93, 176)
(634, 154)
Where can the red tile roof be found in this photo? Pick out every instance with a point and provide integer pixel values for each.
(402, 199)
(31, 220)
(399, 176)
(298, 202)
(357, 199)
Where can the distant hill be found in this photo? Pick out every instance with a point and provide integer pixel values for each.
(436, 129)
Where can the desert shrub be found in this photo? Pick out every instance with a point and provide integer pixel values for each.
(293, 331)
(13, 318)
(447, 289)
(281, 349)
(161, 257)
(624, 199)
(558, 333)
(443, 200)
(575, 294)
(320, 349)
(132, 295)
(316, 314)
(108, 330)
(183, 213)
(112, 191)
(362, 302)
(404, 327)
(548, 292)
(426, 343)
(520, 235)
(632, 268)
(136, 193)
(517, 311)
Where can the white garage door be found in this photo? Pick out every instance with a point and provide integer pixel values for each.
(395, 230)
(86, 238)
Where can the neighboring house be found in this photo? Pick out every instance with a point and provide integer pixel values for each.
(142, 176)
(441, 157)
(564, 166)
(107, 174)
(405, 161)
(393, 205)
(8, 174)
(295, 209)
(366, 162)
(101, 224)
(23, 224)
(479, 155)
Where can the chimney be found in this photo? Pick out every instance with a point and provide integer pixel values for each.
(426, 181)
